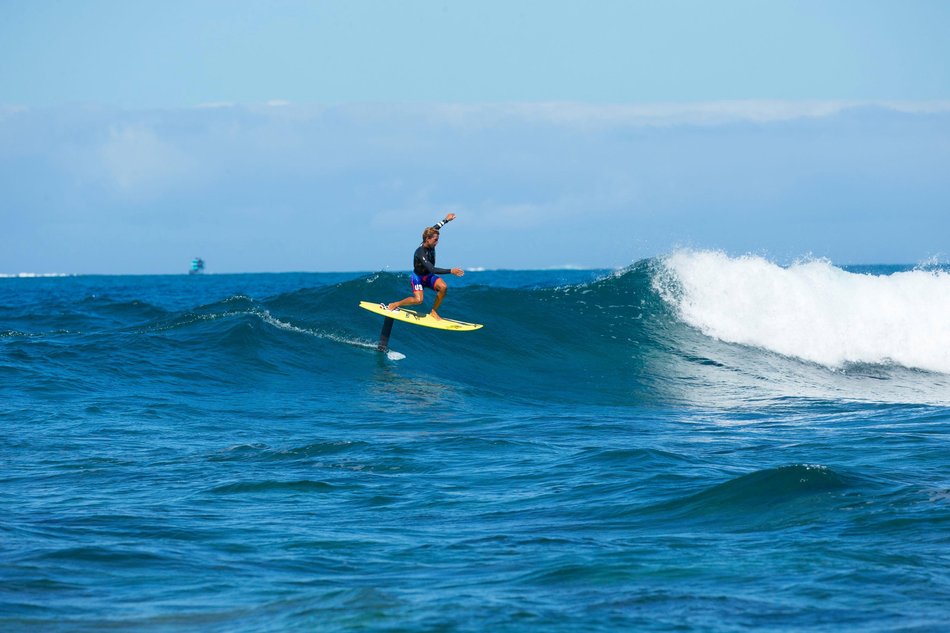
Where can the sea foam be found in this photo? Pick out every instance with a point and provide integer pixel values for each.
(814, 310)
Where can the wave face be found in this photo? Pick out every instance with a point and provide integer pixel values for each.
(695, 443)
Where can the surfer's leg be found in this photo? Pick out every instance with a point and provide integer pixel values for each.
(416, 283)
(414, 300)
(440, 288)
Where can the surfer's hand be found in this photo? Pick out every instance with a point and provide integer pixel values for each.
(458, 272)
(449, 217)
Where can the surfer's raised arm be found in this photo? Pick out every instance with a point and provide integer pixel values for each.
(448, 218)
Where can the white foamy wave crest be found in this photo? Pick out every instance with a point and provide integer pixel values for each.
(814, 311)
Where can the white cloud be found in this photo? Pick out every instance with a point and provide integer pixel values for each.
(572, 114)
(10, 110)
(216, 105)
(136, 161)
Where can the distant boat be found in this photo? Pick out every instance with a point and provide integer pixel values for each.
(197, 266)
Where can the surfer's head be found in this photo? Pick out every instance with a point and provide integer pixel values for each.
(429, 233)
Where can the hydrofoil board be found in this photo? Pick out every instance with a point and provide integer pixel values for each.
(408, 316)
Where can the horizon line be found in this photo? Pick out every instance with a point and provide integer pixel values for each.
(473, 270)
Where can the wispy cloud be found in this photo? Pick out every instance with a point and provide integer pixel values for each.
(136, 160)
(663, 114)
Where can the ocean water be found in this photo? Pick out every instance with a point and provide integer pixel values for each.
(696, 443)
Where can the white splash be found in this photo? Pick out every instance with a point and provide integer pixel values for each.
(814, 310)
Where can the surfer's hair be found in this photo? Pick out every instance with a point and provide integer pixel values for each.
(429, 232)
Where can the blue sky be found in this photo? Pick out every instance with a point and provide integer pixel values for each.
(272, 136)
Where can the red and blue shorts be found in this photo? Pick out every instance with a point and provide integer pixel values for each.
(423, 281)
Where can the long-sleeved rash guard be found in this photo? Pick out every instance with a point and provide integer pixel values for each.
(423, 261)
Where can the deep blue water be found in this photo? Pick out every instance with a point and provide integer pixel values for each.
(614, 451)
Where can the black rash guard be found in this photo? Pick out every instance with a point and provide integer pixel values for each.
(423, 261)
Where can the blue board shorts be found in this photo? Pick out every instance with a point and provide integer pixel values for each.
(423, 281)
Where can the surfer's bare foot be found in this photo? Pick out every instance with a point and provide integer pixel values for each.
(435, 315)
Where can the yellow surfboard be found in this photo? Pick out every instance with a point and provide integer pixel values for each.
(408, 316)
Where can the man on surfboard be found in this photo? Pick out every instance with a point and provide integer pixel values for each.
(425, 274)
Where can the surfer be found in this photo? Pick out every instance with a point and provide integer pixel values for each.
(425, 274)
